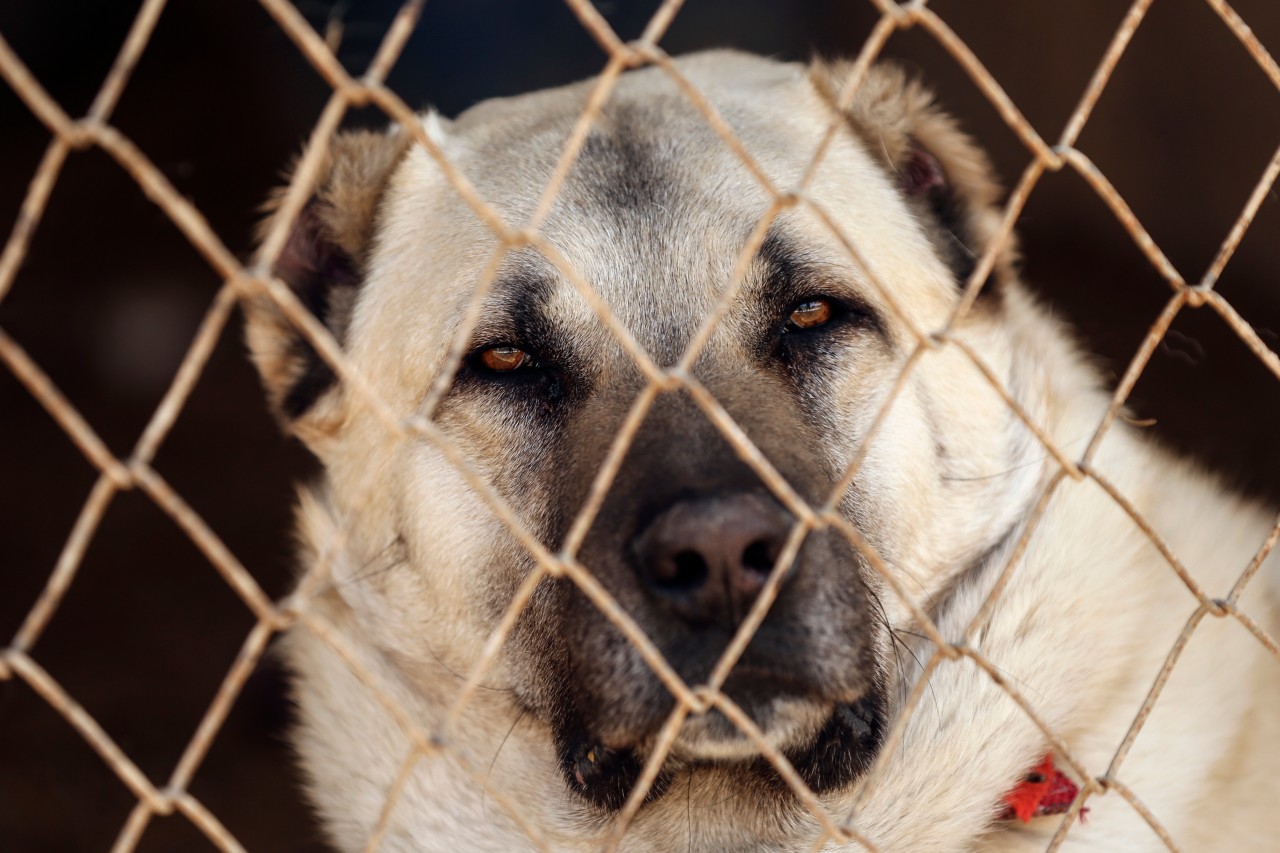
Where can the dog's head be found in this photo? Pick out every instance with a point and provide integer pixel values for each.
(654, 215)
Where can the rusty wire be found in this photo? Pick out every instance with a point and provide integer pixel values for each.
(19, 661)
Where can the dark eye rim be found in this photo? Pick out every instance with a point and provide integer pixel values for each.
(540, 382)
(842, 311)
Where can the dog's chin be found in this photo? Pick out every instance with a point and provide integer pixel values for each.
(785, 723)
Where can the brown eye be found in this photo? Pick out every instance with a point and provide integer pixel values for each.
(810, 313)
(505, 359)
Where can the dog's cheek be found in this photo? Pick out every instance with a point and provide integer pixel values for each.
(456, 549)
(888, 451)
(837, 629)
(617, 691)
(536, 652)
(984, 456)
(558, 689)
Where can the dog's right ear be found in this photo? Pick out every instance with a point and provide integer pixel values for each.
(323, 262)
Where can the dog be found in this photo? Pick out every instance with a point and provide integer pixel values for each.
(820, 323)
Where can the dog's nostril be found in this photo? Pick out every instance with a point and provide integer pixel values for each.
(707, 558)
(759, 557)
(690, 571)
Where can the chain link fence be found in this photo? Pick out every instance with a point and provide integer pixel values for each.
(20, 658)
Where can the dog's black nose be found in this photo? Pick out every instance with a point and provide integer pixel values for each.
(708, 557)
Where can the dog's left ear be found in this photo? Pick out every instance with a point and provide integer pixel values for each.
(324, 263)
(946, 179)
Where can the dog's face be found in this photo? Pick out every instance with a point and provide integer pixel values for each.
(655, 214)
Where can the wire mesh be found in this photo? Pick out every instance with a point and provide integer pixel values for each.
(19, 661)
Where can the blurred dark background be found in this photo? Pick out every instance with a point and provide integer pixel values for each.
(110, 295)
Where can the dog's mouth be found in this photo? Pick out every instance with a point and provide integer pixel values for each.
(828, 745)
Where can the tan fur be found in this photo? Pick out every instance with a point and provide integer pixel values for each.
(891, 111)
(1083, 626)
(349, 188)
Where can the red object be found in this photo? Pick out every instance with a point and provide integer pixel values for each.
(1044, 791)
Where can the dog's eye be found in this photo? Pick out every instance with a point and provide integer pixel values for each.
(505, 359)
(810, 314)
(518, 373)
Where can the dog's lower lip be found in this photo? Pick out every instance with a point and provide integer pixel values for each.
(840, 746)
(845, 746)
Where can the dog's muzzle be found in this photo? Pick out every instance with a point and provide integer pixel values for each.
(687, 541)
(697, 568)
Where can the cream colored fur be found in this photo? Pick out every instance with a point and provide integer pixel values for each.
(1081, 630)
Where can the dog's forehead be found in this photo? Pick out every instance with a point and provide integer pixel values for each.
(656, 208)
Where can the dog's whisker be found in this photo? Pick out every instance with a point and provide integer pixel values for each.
(484, 788)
